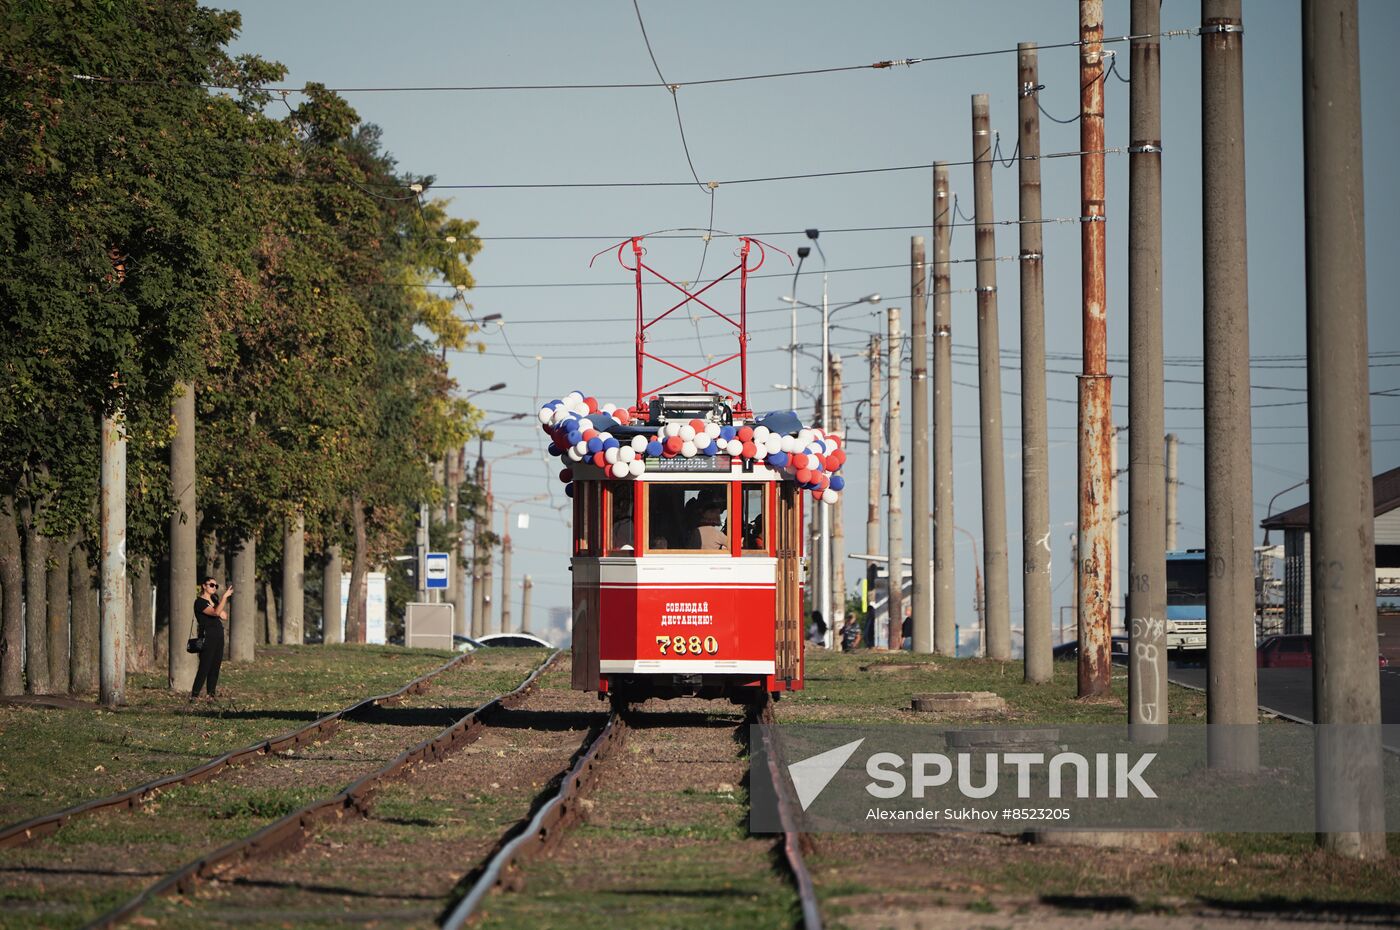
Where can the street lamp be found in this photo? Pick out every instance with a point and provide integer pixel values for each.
(481, 567)
(495, 387)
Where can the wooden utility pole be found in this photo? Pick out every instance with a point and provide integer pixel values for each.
(1035, 448)
(184, 541)
(837, 573)
(1147, 522)
(945, 623)
(1095, 563)
(994, 552)
(1351, 797)
(1231, 686)
(877, 440)
(921, 477)
(895, 565)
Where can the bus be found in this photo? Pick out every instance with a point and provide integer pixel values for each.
(1186, 599)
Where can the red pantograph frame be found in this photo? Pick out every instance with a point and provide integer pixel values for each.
(740, 396)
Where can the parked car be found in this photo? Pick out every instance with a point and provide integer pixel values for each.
(516, 640)
(462, 643)
(1291, 650)
(1118, 649)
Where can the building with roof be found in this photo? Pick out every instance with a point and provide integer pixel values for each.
(1297, 551)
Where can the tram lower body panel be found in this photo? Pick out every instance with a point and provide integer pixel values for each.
(672, 625)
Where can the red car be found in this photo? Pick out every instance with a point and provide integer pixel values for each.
(1291, 651)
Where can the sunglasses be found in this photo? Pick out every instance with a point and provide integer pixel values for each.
(210, 584)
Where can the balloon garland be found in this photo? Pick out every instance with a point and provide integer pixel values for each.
(581, 430)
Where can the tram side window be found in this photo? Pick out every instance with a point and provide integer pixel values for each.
(620, 535)
(754, 529)
(587, 518)
(688, 517)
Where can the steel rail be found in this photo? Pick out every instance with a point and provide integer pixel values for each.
(790, 843)
(289, 832)
(544, 828)
(27, 831)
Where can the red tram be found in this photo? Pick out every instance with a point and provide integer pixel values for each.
(687, 550)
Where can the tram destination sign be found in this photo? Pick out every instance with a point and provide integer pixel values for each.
(720, 463)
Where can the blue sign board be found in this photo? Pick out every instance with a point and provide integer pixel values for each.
(435, 570)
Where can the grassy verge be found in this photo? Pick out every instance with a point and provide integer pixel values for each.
(52, 758)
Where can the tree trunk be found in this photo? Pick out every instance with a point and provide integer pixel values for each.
(331, 629)
(57, 599)
(270, 596)
(83, 591)
(141, 643)
(294, 582)
(12, 610)
(355, 604)
(160, 645)
(36, 620)
(243, 606)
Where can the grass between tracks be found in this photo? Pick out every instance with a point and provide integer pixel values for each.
(866, 880)
(52, 758)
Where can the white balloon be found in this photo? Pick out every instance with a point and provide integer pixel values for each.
(686, 432)
(619, 469)
(609, 408)
(735, 447)
(581, 447)
(626, 454)
(804, 436)
(571, 398)
(773, 444)
(639, 443)
(574, 455)
(581, 409)
(712, 430)
(688, 449)
(830, 497)
(788, 444)
(610, 456)
(702, 441)
(760, 434)
(545, 414)
(636, 468)
(671, 429)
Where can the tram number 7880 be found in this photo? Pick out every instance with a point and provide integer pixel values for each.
(682, 645)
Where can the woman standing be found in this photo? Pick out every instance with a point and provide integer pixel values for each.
(210, 618)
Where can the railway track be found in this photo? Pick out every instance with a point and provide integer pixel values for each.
(44, 825)
(553, 816)
(290, 831)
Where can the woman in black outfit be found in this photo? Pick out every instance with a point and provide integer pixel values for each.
(210, 618)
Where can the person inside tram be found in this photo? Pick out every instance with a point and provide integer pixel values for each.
(622, 521)
(708, 532)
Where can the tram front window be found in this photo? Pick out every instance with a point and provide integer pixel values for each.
(687, 517)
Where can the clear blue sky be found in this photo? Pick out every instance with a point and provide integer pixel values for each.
(835, 122)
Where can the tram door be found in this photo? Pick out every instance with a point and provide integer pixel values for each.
(789, 619)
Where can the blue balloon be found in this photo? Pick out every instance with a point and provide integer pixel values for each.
(711, 449)
(727, 433)
(575, 437)
(595, 445)
(777, 459)
(554, 450)
(553, 404)
(653, 448)
(610, 443)
(837, 482)
(569, 489)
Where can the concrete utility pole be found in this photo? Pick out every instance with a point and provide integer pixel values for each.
(1346, 691)
(1095, 564)
(1035, 446)
(1231, 690)
(877, 440)
(1171, 494)
(243, 606)
(1147, 523)
(527, 585)
(294, 582)
(487, 572)
(921, 562)
(424, 595)
(330, 598)
(184, 522)
(505, 575)
(837, 574)
(112, 668)
(461, 619)
(989, 390)
(1115, 590)
(895, 618)
(945, 623)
